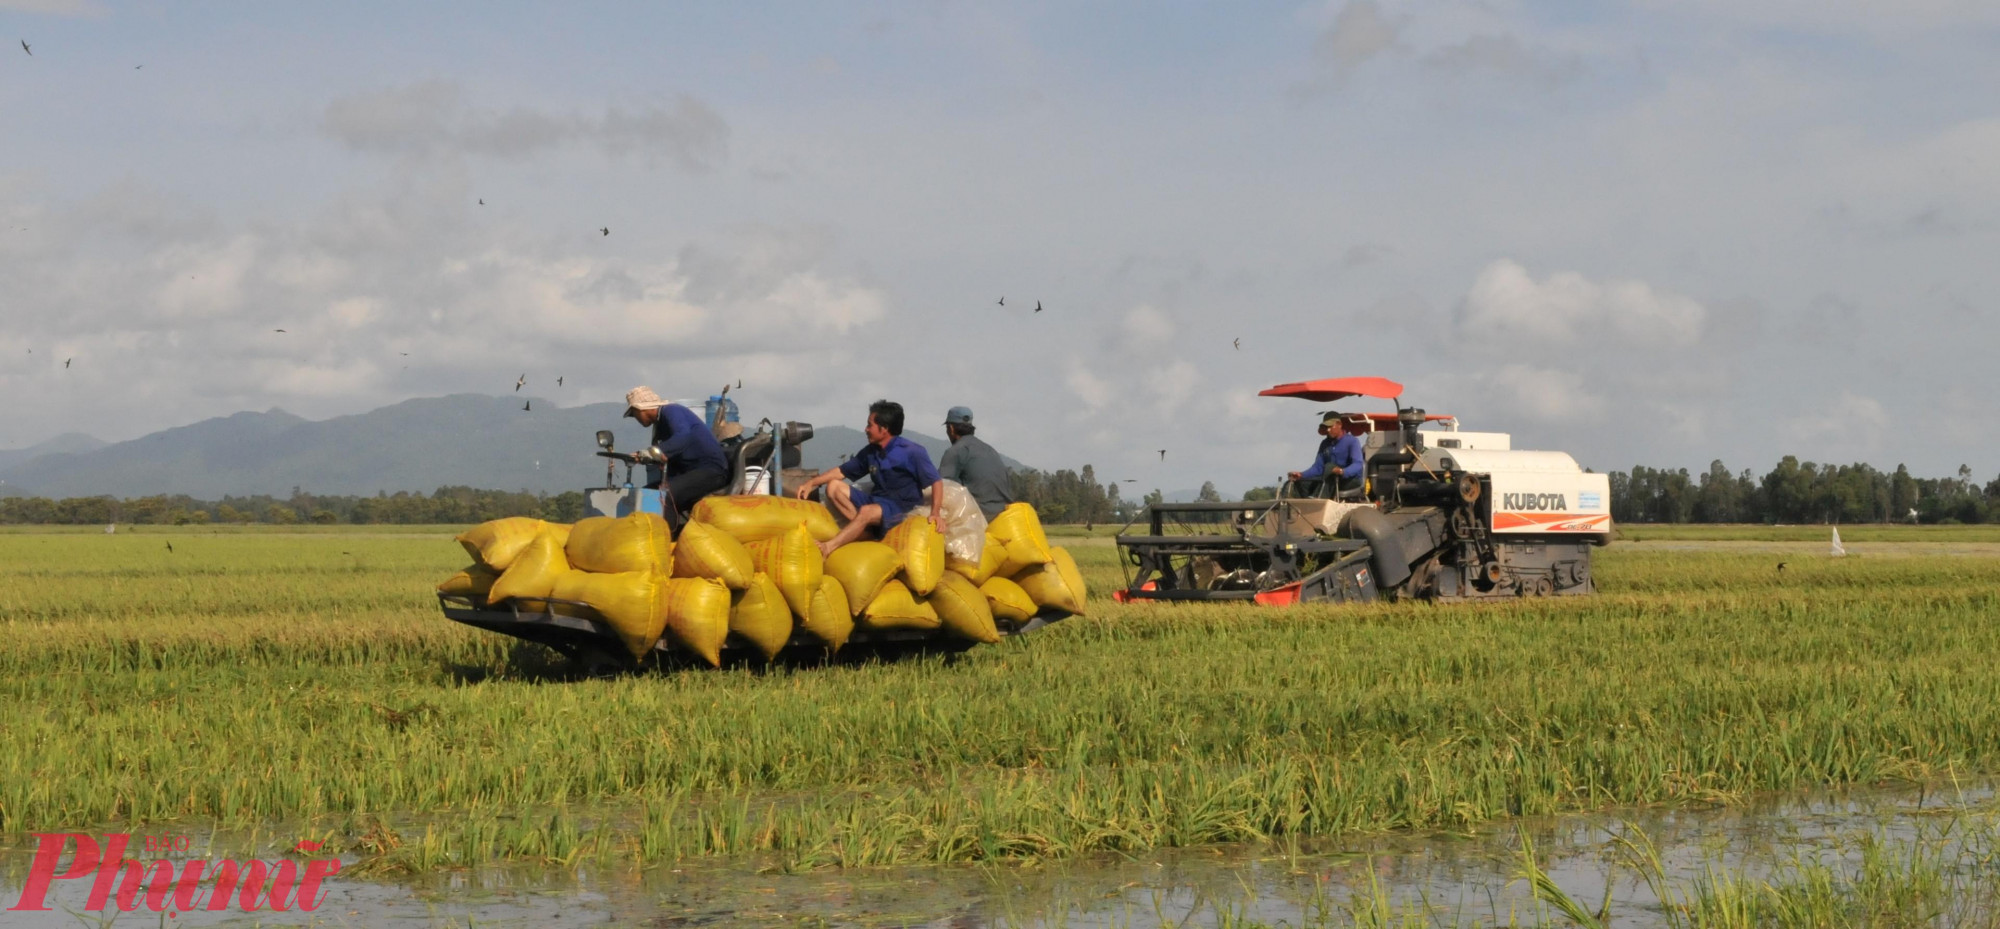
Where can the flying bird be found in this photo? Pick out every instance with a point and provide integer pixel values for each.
(739, 383)
(66, 362)
(25, 48)
(1781, 566)
(404, 354)
(525, 404)
(1003, 301)
(1038, 306)
(137, 67)
(1163, 454)
(170, 548)
(605, 229)
(277, 330)
(1130, 480)
(1239, 344)
(558, 380)
(521, 381)
(482, 201)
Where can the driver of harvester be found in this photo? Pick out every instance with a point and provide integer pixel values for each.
(1339, 456)
(683, 449)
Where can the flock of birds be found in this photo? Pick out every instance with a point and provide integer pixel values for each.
(527, 405)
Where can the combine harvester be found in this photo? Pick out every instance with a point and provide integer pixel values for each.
(1439, 514)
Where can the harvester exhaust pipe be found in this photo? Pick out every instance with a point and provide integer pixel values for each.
(1392, 567)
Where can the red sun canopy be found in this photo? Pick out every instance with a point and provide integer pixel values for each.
(1329, 389)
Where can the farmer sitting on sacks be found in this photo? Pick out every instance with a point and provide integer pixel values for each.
(900, 470)
(685, 452)
(973, 463)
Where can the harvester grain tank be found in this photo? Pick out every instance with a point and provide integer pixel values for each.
(1440, 513)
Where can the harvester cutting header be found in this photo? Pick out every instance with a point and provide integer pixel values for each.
(1430, 511)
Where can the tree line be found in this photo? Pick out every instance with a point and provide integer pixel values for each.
(1792, 492)
(1801, 492)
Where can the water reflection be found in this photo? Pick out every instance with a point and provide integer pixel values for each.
(1434, 879)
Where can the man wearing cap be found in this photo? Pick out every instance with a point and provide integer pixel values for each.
(900, 470)
(1339, 455)
(683, 447)
(973, 463)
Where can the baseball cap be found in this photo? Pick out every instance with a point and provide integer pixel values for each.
(959, 416)
(642, 398)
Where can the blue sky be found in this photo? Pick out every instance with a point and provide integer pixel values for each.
(1643, 233)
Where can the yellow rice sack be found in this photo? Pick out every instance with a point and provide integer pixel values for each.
(561, 531)
(608, 545)
(992, 556)
(1018, 556)
(632, 603)
(921, 547)
(534, 572)
(828, 616)
(895, 608)
(496, 542)
(794, 563)
(474, 581)
(761, 615)
(1008, 600)
(1056, 584)
(862, 568)
(1018, 523)
(698, 615)
(705, 551)
(756, 517)
(963, 610)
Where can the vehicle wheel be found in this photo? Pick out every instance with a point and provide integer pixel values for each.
(595, 664)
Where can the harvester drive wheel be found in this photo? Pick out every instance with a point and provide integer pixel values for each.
(598, 664)
(1543, 587)
(1468, 489)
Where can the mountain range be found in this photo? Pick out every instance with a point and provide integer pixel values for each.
(417, 445)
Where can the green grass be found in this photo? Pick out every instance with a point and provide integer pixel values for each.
(268, 678)
(1868, 532)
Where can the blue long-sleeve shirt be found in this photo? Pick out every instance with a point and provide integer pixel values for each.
(1343, 456)
(686, 441)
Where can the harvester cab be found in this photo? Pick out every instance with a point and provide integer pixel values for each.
(1439, 513)
(757, 462)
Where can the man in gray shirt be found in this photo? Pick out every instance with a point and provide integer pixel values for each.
(975, 464)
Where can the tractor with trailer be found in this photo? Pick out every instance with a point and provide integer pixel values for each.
(759, 464)
(1439, 513)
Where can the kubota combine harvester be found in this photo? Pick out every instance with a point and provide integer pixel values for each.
(1438, 513)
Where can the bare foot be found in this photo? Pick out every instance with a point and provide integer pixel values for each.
(825, 548)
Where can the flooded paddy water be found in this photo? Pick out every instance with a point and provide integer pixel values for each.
(1641, 867)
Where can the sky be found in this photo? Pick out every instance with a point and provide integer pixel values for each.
(1643, 233)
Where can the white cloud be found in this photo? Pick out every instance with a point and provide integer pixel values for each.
(1843, 428)
(1147, 327)
(1507, 304)
(434, 117)
(1359, 32)
(1545, 394)
(53, 8)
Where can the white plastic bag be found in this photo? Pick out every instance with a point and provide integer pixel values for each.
(964, 525)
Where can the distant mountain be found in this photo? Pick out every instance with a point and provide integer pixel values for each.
(417, 445)
(67, 442)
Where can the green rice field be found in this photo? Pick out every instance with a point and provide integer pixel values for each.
(303, 684)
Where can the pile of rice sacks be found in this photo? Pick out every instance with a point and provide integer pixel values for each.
(750, 566)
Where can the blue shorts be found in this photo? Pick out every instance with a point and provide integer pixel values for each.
(892, 512)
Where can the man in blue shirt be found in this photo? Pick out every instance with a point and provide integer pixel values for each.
(900, 469)
(683, 449)
(1339, 456)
